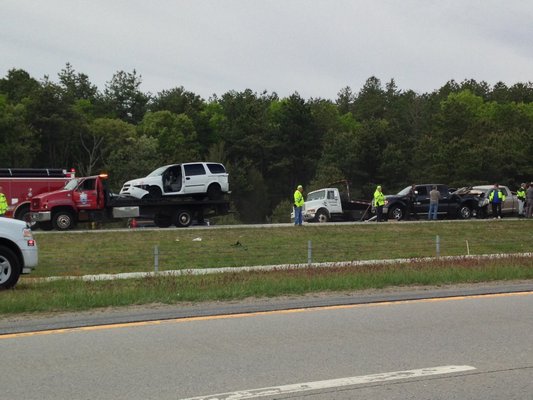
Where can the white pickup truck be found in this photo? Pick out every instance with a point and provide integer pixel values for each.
(329, 204)
(18, 251)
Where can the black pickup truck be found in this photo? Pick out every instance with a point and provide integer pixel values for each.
(451, 205)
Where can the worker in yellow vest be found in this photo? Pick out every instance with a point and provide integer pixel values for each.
(298, 204)
(3, 202)
(496, 198)
(378, 203)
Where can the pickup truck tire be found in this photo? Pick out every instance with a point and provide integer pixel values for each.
(183, 218)
(63, 220)
(322, 216)
(465, 212)
(10, 268)
(396, 212)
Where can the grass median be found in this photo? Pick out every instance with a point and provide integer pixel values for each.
(74, 254)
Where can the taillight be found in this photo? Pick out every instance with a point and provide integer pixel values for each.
(31, 243)
(26, 232)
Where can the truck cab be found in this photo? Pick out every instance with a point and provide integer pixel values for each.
(79, 200)
(327, 204)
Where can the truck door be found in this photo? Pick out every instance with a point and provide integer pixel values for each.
(86, 196)
(422, 199)
(445, 202)
(333, 202)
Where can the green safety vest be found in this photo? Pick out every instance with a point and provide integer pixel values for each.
(3, 204)
(298, 199)
(379, 198)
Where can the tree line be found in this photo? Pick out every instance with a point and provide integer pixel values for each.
(460, 134)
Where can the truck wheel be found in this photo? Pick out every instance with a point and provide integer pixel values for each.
(183, 218)
(396, 212)
(10, 268)
(214, 192)
(322, 216)
(63, 220)
(465, 212)
(162, 220)
(24, 214)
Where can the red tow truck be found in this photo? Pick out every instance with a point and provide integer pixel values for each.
(88, 199)
(21, 184)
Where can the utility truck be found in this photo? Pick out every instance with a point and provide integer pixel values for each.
(88, 199)
(329, 204)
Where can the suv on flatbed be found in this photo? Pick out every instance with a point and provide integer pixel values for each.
(18, 251)
(198, 179)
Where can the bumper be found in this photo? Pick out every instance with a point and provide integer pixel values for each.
(41, 216)
(133, 191)
(309, 216)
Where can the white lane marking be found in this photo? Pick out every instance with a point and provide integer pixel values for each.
(334, 383)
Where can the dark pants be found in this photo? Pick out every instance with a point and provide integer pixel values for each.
(497, 210)
(379, 213)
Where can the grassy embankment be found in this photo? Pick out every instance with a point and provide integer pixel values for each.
(74, 254)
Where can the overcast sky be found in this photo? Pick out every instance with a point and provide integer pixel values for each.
(313, 47)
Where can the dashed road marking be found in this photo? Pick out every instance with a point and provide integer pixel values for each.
(334, 383)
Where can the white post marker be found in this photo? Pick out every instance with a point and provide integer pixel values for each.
(335, 383)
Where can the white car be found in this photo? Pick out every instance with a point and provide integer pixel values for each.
(198, 179)
(18, 251)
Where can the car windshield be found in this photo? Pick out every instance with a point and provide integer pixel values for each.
(72, 184)
(318, 195)
(405, 191)
(158, 171)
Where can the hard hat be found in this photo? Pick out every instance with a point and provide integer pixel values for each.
(300, 187)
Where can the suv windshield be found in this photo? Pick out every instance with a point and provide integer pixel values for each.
(158, 171)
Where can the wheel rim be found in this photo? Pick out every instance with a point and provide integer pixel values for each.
(397, 213)
(184, 219)
(322, 217)
(63, 221)
(465, 212)
(5, 269)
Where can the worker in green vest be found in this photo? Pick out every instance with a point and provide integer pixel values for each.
(3, 202)
(298, 204)
(496, 198)
(378, 203)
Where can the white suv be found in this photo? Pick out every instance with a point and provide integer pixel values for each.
(18, 251)
(198, 179)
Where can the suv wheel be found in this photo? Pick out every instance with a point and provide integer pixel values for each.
(214, 192)
(10, 268)
(154, 192)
